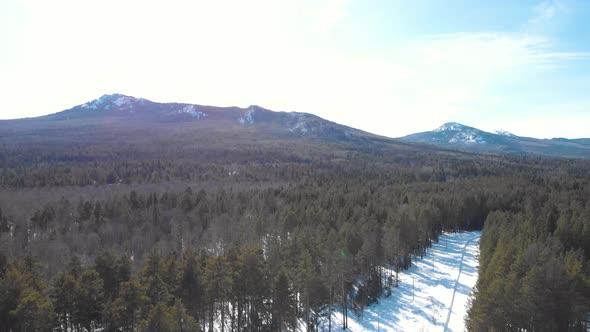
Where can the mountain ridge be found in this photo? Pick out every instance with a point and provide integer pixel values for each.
(130, 120)
(123, 128)
(132, 108)
(464, 137)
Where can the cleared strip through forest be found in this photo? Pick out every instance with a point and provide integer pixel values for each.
(457, 281)
(447, 271)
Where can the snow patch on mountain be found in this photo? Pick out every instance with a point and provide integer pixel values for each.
(300, 124)
(449, 126)
(118, 101)
(456, 133)
(193, 112)
(94, 103)
(467, 137)
(248, 117)
(125, 103)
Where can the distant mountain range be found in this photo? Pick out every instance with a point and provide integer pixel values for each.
(117, 122)
(459, 136)
(124, 128)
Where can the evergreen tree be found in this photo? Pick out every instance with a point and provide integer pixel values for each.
(131, 304)
(91, 300)
(190, 286)
(283, 304)
(65, 298)
(33, 311)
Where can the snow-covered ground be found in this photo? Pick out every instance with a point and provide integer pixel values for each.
(432, 295)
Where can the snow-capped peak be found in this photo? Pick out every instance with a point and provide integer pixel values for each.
(456, 133)
(450, 126)
(503, 132)
(116, 100)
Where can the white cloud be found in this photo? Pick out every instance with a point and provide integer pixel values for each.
(545, 11)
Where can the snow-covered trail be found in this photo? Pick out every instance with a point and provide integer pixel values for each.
(457, 284)
(432, 295)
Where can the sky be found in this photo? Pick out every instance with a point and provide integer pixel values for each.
(390, 67)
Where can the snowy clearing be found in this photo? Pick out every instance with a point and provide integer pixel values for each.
(426, 292)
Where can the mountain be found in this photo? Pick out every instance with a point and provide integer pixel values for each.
(120, 127)
(459, 136)
(121, 107)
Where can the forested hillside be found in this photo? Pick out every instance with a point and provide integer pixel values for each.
(186, 227)
(534, 273)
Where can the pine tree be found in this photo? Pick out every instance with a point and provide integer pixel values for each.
(33, 311)
(187, 202)
(217, 282)
(64, 296)
(158, 319)
(283, 304)
(91, 300)
(105, 265)
(190, 286)
(131, 303)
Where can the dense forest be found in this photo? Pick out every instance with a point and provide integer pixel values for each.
(273, 235)
(263, 247)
